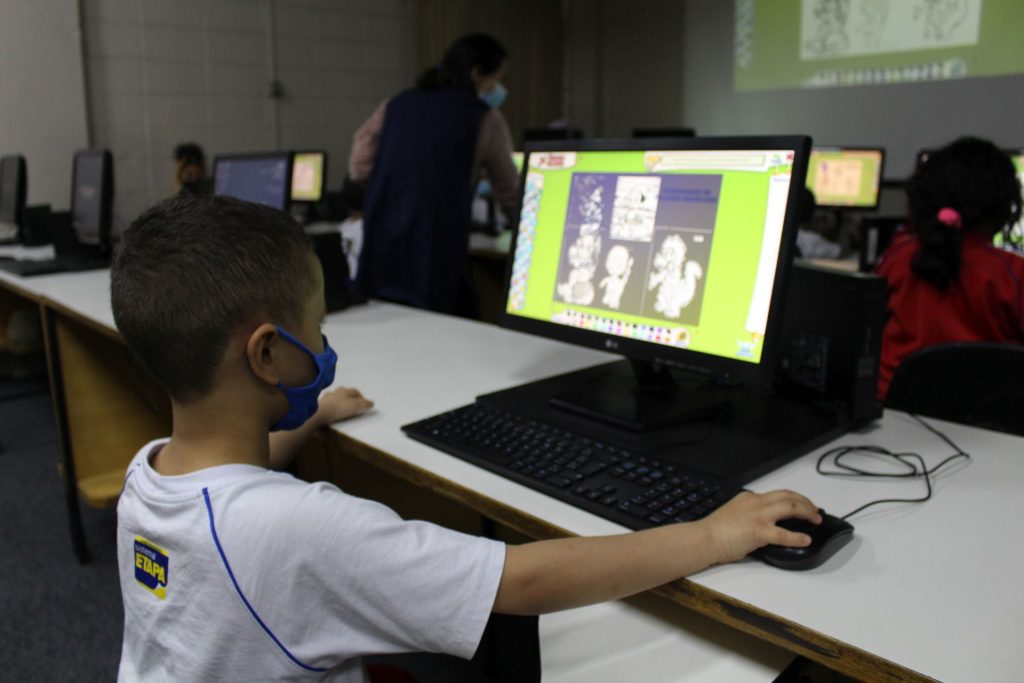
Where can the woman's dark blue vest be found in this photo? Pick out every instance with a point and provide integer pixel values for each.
(417, 210)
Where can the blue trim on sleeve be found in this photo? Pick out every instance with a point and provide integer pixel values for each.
(238, 589)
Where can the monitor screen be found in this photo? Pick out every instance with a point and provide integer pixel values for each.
(12, 189)
(308, 173)
(1016, 241)
(260, 178)
(91, 196)
(674, 251)
(845, 177)
(517, 161)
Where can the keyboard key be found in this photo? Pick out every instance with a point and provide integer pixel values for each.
(560, 482)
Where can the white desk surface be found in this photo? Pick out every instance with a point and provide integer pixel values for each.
(933, 587)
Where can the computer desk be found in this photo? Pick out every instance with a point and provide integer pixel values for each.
(923, 592)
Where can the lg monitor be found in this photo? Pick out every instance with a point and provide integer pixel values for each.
(663, 132)
(309, 169)
(260, 178)
(673, 253)
(13, 188)
(846, 177)
(92, 197)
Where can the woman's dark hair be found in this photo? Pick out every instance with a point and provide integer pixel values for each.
(472, 50)
(979, 181)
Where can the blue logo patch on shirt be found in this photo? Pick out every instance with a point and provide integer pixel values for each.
(151, 564)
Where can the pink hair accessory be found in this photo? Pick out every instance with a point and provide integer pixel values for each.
(949, 216)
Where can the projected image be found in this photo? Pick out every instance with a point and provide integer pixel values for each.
(638, 244)
(820, 43)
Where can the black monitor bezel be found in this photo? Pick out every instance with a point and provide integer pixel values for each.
(106, 196)
(761, 373)
(20, 188)
(248, 156)
(878, 187)
(323, 176)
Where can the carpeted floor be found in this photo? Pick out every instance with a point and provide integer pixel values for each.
(59, 620)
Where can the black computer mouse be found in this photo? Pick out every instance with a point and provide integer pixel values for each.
(826, 538)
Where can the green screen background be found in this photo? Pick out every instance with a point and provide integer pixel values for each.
(774, 46)
(730, 274)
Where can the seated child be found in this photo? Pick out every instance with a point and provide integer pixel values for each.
(947, 282)
(231, 571)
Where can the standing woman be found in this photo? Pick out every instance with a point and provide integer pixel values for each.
(421, 154)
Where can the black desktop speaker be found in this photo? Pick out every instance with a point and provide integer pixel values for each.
(832, 339)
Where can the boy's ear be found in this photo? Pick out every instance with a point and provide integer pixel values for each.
(261, 350)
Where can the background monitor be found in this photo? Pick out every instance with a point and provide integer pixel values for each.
(846, 177)
(309, 169)
(535, 134)
(92, 196)
(667, 251)
(260, 178)
(13, 189)
(517, 161)
(663, 132)
(1016, 240)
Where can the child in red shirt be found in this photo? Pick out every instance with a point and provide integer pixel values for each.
(947, 282)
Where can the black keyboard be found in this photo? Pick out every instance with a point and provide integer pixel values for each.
(631, 488)
(64, 263)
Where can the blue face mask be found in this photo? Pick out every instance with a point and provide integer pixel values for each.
(302, 401)
(495, 97)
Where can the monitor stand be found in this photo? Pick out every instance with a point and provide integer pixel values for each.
(643, 396)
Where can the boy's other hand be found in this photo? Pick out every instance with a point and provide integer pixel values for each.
(747, 522)
(341, 404)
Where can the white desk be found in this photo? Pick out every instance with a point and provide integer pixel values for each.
(930, 588)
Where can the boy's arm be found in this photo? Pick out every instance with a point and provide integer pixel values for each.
(333, 406)
(547, 576)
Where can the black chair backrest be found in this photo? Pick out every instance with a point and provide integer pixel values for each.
(975, 383)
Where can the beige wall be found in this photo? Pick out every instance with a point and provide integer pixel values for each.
(161, 72)
(624, 65)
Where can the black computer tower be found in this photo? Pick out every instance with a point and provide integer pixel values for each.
(832, 339)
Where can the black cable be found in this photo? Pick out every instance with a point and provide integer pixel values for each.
(913, 466)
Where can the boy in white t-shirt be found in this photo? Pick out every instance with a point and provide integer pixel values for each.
(231, 571)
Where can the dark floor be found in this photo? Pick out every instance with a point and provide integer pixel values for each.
(58, 619)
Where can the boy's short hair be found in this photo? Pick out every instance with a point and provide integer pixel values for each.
(191, 270)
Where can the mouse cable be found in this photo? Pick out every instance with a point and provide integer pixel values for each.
(913, 466)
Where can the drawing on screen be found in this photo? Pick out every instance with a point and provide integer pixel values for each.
(636, 205)
(838, 178)
(583, 257)
(829, 18)
(850, 28)
(873, 15)
(618, 264)
(941, 17)
(674, 276)
(592, 207)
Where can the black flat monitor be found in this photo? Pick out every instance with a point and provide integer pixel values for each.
(13, 189)
(264, 178)
(666, 132)
(309, 171)
(671, 252)
(846, 177)
(92, 196)
(537, 134)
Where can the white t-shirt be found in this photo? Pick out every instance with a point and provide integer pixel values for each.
(241, 573)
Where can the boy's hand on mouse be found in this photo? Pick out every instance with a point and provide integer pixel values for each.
(747, 522)
(341, 404)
